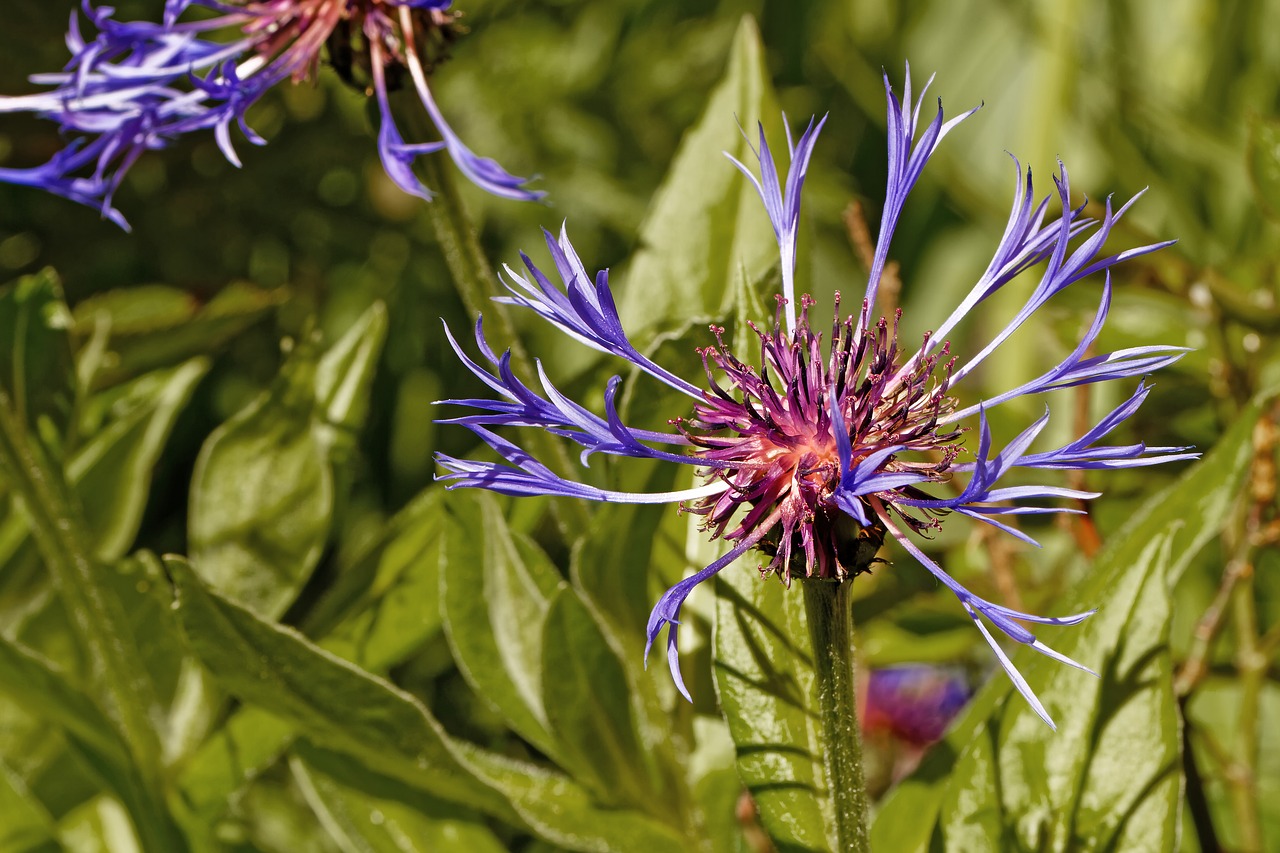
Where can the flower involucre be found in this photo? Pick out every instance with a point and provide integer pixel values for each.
(137, 85)
(816, 453)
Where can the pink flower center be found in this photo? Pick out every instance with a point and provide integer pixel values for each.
(768, 435)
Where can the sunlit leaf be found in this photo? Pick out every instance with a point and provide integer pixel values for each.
(394, 615)
(262, 495)
(363, 819)
(764, 675)
(401, 609)
(706, 222)
(34, 684)
(27, 826)
(250, 741)
(112, 472)
(563, 813)
(588, 706)
(334, 702)
(496, 588)
(99, 825)
(1110, 777)
(344, 373)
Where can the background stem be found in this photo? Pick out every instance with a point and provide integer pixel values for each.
(827, 607)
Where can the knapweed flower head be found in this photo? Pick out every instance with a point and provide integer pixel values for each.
(134, 86)
(816, 451)
(913, 703)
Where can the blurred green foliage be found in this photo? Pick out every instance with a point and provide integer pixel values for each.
(353, 660)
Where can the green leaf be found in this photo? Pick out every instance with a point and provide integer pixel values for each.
(156, 325)
(1264, 163)
(610, 566)
(587, 700)
(334, 702)
(1109, 778)
(764, 675)
(496, 588)
(706, 222)
(562, 812)
(345, 372)
(39, 689)
(27, 827)
(251, 741)
(112, 472)
(98, 825)
(376, 817)
(752, 304)
(35, 685)
(36, 367)
(262, 495)
(400, 610)
(394, 611)
(100, 623)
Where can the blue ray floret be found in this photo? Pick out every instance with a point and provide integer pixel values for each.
(137, 86)
(813, 436)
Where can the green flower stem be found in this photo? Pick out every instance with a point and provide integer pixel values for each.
(477, 284)
(1252, 666)
(473, 277)
(97, 617)
(827, 608)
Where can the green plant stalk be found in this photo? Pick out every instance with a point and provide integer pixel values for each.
(97, 617)
(1252, 665)
(827, 608)
(473, 276)
(476, 285)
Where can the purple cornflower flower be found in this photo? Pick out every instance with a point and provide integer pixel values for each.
(135, 86)
(815, 453)
(914, 703)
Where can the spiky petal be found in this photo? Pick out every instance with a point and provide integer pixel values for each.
(816, 452)
(136, 86)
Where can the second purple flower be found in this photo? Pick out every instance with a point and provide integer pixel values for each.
(134, 86)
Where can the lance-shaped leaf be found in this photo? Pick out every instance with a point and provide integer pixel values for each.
(262, 494)
(153, 326)
(36, 368)
(1264, 163)
(589, 708)
(379, 816)
(344, 709)
(27, 825)
(1109, 778)
(393, 611)
(333, 702)
(705, 223)
(765, 679)
(112, 472)
(496, 588)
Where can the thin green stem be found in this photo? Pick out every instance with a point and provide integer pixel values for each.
(476, 285)
(827, 607)
(473, 277)
(97, 616)
(1252, 665)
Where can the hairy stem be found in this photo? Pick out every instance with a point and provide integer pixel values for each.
(831, 632)
(473, 277)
